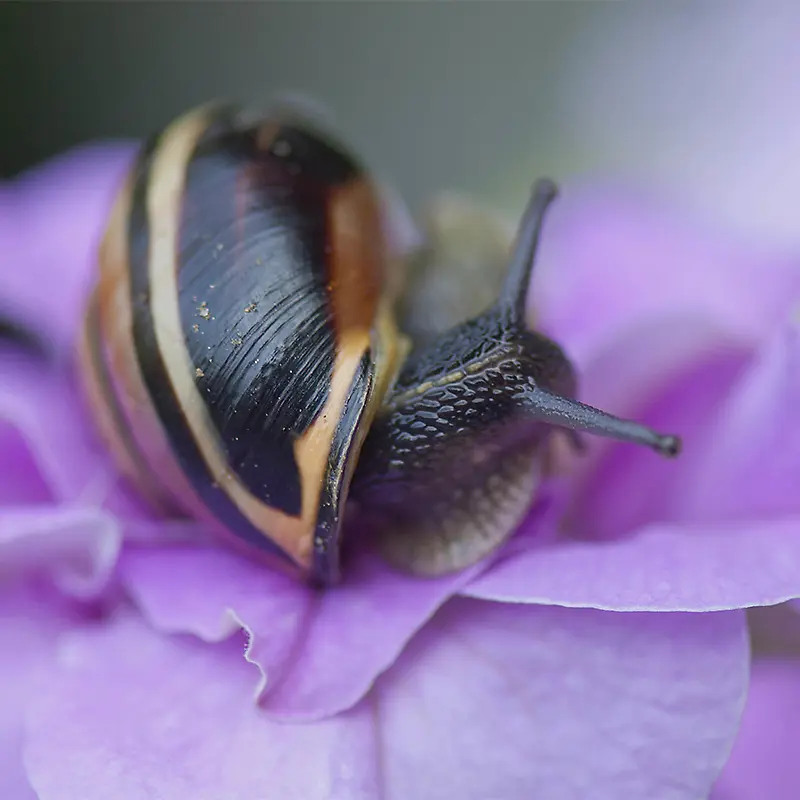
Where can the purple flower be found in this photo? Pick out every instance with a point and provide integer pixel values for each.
(603, 653)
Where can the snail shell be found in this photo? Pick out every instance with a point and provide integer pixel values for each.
(240, 339)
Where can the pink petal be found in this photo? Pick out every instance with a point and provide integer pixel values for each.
(692, 567)
(515, 702)
(76, 547)
(489, 702)
(672, 375)
(134, 715)
(42, 405)
(751, 467)
(30, 623)
(319, 653)
(613, 260)
(54, 217)
(21, 481)
(763, 763)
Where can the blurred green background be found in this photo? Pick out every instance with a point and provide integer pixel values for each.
(698, 100)
(434, 94)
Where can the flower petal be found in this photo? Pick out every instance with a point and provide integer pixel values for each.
(692, 567)
(613, 260)
(752, 460)
(515, 702)
(319, 653)
(135, 715)
(54, 220)
(41, 403)
(580, 702)
(21, 481)
(764, 761)
(30, 623)
(76, 547)
(673, 377)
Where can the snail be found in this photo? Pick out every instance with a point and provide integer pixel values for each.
(244, 361)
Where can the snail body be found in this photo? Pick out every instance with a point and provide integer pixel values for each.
(243, 360)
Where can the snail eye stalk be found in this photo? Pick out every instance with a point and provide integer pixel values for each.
(514, 294)
(544, 406)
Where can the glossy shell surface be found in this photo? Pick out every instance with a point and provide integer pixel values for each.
(240, 338)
